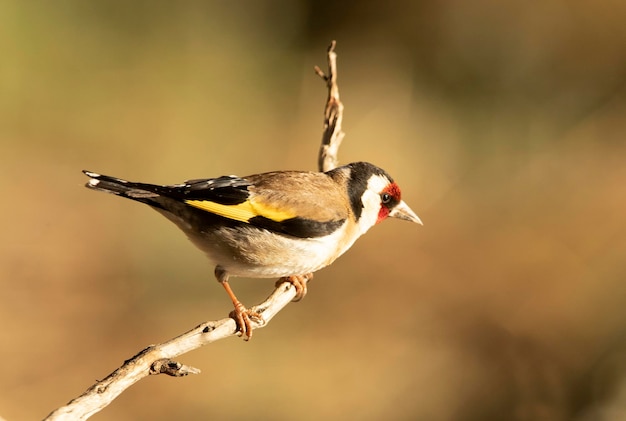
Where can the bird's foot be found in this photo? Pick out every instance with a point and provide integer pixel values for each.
(244, 318)
(299, 283)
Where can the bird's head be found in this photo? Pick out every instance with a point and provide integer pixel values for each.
(374, 196)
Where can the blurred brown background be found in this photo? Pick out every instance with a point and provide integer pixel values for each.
(504, 122)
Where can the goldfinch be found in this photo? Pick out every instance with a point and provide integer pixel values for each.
(285, 224)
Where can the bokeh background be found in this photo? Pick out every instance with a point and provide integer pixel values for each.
(504, 122)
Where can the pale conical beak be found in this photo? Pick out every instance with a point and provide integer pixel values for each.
(402, 211)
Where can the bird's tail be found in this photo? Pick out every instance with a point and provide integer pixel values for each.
(145, 193)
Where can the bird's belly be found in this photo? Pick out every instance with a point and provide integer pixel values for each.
(257, 253)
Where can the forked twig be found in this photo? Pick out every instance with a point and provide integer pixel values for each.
(333, 115)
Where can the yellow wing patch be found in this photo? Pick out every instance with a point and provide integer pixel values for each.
(243, 211)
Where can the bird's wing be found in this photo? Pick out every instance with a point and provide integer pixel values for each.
(292, 203)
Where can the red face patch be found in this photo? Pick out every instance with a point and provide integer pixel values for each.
(389, 197)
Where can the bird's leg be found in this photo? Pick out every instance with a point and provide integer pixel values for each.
(240, 314)
(299, 283)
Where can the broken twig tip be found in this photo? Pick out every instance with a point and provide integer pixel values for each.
(172, 368)
(320, 73)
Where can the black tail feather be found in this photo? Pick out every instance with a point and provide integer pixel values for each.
(141, 192)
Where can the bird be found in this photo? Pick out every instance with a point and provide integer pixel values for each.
(285, 224)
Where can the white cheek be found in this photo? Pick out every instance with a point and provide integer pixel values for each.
(371, 202)
(371, 207)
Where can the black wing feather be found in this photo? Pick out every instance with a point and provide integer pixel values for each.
(225, 190)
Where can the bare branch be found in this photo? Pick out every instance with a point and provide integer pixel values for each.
(158, 359)
(333, 115)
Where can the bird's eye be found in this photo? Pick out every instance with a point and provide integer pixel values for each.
(385, 198)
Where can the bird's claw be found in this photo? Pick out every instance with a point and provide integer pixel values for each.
(244, 318)
(299, 282)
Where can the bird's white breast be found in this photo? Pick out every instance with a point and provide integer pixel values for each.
(256, 253)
